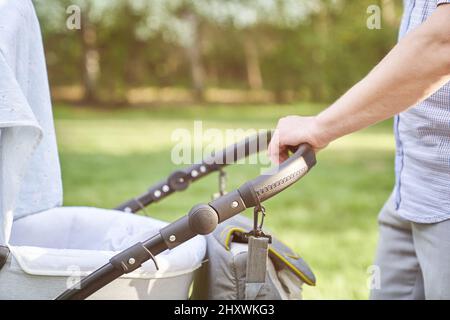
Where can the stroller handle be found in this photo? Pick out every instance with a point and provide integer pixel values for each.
(265, 186)
(202, 219)
(179, 180)
(279, 178)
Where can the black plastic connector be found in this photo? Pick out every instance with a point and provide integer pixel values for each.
(132, 258)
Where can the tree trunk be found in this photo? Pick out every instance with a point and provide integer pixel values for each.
(91, 65)
(254, 76)
(389, 14)
(318, 90)
(194, 56)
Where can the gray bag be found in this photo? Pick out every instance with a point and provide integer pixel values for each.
(224, 275)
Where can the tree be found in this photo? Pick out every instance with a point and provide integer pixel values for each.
(90, 56)
(94, 15)
(298, 49)
(248, 17)
(181, 21)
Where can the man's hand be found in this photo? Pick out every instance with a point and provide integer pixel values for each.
(292, 131)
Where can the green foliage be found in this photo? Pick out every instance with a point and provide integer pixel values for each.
(314, 49)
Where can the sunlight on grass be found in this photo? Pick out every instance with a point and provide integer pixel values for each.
(118, 137)
(364, 141)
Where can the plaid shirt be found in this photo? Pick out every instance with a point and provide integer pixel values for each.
(422, 133)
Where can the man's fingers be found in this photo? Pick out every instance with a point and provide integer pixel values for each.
(273, 149)
(274, 154)
(283, 155)
(290, 132)
(277, 151)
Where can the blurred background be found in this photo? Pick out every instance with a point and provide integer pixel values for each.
(138, 51)
(136, 70)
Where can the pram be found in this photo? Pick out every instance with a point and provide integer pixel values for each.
(126, 275)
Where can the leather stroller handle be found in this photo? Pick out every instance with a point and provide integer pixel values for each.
(179, 180)
(279, 178)
(265, 186)
(240, 150)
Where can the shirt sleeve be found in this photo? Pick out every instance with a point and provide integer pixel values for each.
(443, 2)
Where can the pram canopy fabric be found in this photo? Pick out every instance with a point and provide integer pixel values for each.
(30, 178)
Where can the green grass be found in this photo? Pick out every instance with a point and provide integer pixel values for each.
(329, 217)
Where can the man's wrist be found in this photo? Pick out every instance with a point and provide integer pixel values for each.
(321, 131)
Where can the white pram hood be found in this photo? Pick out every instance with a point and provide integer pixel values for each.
(28, 152)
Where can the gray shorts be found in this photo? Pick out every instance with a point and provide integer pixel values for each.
(412, 260)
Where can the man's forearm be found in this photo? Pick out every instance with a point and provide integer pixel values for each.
(417, 67)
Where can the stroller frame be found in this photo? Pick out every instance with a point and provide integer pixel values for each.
(202, 219)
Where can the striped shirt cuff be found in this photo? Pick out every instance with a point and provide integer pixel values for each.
(443, 2)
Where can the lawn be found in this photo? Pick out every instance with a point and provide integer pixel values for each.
(329, 217)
